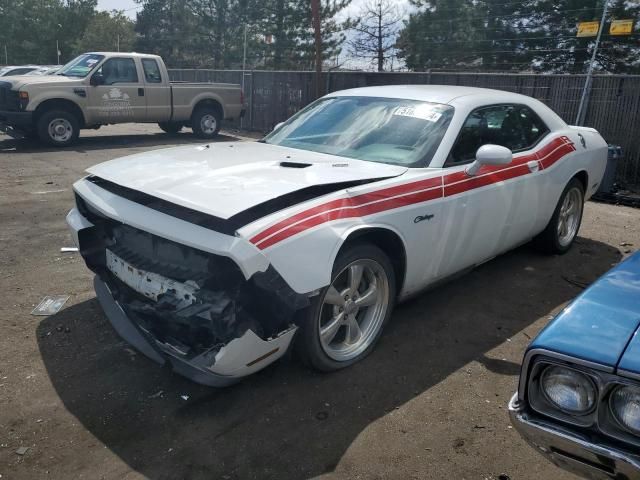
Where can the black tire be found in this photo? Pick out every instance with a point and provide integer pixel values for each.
(199, 118)
(58, 128)
(308, 344)
(549, 241)
(170, 127)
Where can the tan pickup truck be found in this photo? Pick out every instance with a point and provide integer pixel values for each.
(102, 88)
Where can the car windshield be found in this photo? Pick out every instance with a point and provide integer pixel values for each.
(386, 130)
(81, 65)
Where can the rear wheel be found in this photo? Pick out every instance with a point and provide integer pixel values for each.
(345, 320)
(205, 122)
(58, 128)
(170, 127)
(563, 227)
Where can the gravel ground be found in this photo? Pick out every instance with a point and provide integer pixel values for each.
(430, 402)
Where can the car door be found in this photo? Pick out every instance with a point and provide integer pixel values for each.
(121, 97)
(497, 208)
(157, 91)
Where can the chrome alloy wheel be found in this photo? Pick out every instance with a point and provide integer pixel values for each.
(60, 130)
(353, 310)
(208, 124)
(569, 217)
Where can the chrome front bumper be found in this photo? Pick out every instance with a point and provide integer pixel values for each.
(571, 451)
(238, 358)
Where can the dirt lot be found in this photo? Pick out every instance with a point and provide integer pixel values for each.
(430, 402)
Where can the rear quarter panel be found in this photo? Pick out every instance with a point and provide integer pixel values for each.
(591, 159)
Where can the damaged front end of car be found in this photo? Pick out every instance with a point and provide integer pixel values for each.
(191, 308)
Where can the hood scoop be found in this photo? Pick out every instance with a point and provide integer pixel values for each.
(294, 165)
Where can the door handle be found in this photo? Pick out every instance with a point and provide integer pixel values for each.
(141, 92)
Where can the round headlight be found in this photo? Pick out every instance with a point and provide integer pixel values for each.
(625, 406)
(568, 390)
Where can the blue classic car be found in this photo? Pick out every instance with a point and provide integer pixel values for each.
(578, 399)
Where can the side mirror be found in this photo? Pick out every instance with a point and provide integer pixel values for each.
(490, 155)
(97, 79)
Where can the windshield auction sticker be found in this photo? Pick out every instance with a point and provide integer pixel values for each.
(423, 112)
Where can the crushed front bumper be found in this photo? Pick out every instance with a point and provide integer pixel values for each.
(240, 357)
(571, 451)
(192, 309)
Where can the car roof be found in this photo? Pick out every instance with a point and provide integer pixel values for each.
(128, 54)
(431, 93)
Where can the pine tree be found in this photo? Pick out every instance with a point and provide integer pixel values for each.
(441, 34)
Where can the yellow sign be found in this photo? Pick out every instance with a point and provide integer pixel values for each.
(621, 27)
(588, 29)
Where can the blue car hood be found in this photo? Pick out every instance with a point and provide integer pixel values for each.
(601, 325)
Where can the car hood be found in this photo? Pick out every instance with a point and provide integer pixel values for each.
(224, 179)
(20, 81)
(601, 324)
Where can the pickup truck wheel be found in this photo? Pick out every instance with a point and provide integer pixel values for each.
(170, 127)
(58, 128)
(563, 227)
(343, 323)
(205, 122)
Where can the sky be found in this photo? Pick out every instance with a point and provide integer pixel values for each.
(129, 5)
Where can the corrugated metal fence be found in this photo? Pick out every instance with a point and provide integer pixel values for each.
(614, 104)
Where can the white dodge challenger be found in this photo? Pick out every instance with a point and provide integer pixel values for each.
(217, 258)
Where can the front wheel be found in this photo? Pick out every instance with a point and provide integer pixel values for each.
(205, 122)
(344, 322)
(58, 128)
(562, 229)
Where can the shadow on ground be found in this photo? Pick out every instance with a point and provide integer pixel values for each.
(89, 143)
(286, 421)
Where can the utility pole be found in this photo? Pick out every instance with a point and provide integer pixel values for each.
(58, 52)
(118, 42)
(315, 12)
(584, 100)
(6, 56)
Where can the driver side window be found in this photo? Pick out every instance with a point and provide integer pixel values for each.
(516, 127)
(118, 70)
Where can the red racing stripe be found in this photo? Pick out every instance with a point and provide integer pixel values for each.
(410, 193)
(360, 211)
(350, 202)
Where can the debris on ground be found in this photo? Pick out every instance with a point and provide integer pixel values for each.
(184, 397)
(157, 394)
(68, 249)
(50, 305)
(576, 283)
(22, 450)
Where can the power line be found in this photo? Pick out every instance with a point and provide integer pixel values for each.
(489, 6)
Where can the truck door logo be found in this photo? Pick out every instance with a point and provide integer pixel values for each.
(116, 103)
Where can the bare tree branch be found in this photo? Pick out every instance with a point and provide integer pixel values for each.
(376, 31)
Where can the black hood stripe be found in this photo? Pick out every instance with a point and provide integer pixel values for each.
(230, 225)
